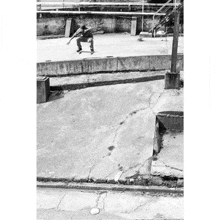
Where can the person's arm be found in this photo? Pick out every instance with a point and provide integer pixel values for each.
(74, 35)
(89, 29)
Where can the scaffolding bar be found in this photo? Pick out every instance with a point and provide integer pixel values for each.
(99, 12)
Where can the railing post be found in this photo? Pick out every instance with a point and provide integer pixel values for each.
(172, 79)
(175, 42)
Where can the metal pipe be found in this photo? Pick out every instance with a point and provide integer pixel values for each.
(142, 16)
(103, 3)
(99, 12)
(175, 42)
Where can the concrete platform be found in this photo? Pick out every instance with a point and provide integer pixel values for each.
(114, 52)
(101, 133)
(106, 45)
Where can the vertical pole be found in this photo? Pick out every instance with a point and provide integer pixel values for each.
(172, 79)
(142, 15)
(175, 42)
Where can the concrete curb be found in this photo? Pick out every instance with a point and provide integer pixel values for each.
(110, 187)
(107, 65)
(151, 181)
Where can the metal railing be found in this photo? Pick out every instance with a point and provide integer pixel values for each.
(55, 6)
(167, 18)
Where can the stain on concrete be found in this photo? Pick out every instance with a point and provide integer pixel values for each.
(111, 148)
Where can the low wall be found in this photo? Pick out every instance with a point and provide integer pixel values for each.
(110, 64)
(49, 25)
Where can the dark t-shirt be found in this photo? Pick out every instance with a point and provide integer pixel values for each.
(84, 33)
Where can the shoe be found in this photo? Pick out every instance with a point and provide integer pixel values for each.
(80, 49)
(92, 51)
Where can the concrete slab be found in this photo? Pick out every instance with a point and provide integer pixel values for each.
(75, 200)
(98, 132)
(106, 45)
(48, 200)
(112, 205)
(48, 214)
(170, 159)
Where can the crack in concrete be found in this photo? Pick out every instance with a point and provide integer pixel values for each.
(104, 200)
(148, 160)
(91, 170)
(60, 202)
(151, 108)
(100, 200)
(135, 209)
(126, 118)
(107, 155)
(109, 173)
(120, 125)
(172, 167)
(138, 170)
(97, 200)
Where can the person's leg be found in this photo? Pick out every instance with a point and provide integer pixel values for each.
(78, 42)
(90, 40)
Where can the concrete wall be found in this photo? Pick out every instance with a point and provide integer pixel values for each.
(113, 64)
(53, 25)
(48, 26)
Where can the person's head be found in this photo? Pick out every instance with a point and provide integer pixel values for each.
(83, 26)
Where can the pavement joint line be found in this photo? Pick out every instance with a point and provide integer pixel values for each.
(113, 187)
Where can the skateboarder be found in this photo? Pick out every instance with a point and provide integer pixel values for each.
(84, 34)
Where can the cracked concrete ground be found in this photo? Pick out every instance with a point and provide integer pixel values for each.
(170, 159)
(76, 204)
(102, 132)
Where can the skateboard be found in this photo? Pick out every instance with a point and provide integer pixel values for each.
(86, 51)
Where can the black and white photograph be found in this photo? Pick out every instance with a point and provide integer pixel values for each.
(110, 109)
(99, 122)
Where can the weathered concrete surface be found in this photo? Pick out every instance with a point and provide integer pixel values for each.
(107, 23)
(102, 132)
(106, 45)
(170, 100)
(76, 204)
(170, 159)
(111, 64)
(53, 214)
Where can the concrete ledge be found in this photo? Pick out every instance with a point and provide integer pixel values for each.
(107, 64)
